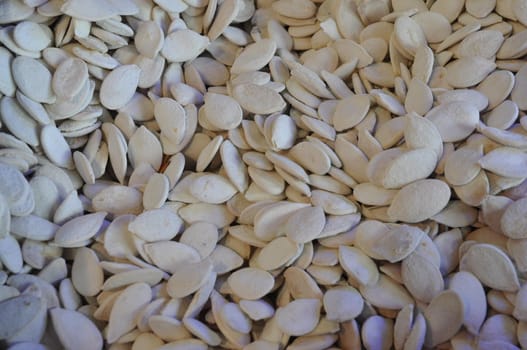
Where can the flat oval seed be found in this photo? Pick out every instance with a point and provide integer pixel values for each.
(183, 45)
(251, 283)
(170, 255)
(342, 303)
(434, 25)
(254, 57)
(258, 99)
(7, 85)
(475, 97)
(444, 316)
(201, 236)
(277, 253)
(422, 161)
(409, 35)
(149, 39)
(305, 224)
(33, 79)
(156, 225)
(299, 9)
(483, 43)
(79, 229)
(505, 161)
(491, 266)
(144, 147)
(69, 78)
(234, 166)
(18, 122)
(66, 324)
(299, 317)
(222, 111)
(126, 308)
(156, 191)
(311, 157)
(235, 318)
(396, 244)
(119, 200)
(86, 273)
(32, 36)
(468, 71)
(358, 266)
(420, 132)
(119, 86)
(171, 118)
(419, 97)
(18, 312)
(188, 279)
(455, 120)
(377, 333)
(473, 295)
(56, 147)
(462, 166)
(212, 188)
(513, 220)
(386, 293)
(419, 200)
(350, 111)
(421, 277)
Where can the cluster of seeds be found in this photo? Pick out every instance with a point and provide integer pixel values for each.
(263, 175)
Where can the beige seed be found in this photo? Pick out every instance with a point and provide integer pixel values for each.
(254, 56)
(187, 280)
(473, 295)
(318, 161)
(156, 225)
(444, 316)
(491, 266)
(454, 120)
(251, 283)
(171, 118)
(225, 15)
(403, 326)
(468, 71)
(69, 78)
(223, 112)
(387, 294)
(277, 253)
(408, 35)
(421, 277)
(125, 309)
(396, 244)
(358, 266)
(512, 221)
(119, 86)
(258, 99)
(183, 45)
(377, 333)
(427, 198)
(465, 158)
(342, 303)
(87, 275)
(170, 255)
(149, 39)
(395, 174)
(300, 9)
(350, 112)
(299, 317)
(305, 224)
(420, 132)
(435, 26)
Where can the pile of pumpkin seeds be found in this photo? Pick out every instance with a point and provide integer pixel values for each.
(263, 174)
